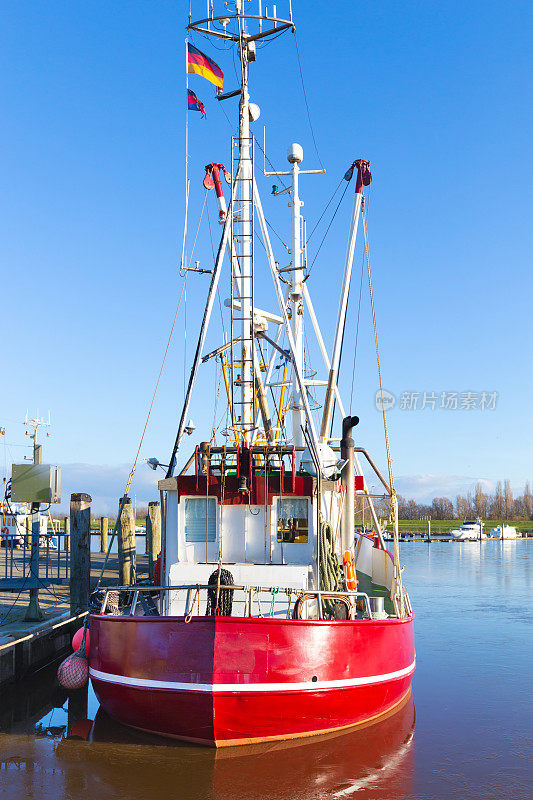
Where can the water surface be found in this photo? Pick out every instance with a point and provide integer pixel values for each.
(465, 733)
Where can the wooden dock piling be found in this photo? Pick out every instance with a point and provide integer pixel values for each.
(66, 538)
(80, 552)
(153, 535)
(33, 612)
(126, 544)
(104, 523)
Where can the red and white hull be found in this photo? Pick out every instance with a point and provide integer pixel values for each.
(229, 681)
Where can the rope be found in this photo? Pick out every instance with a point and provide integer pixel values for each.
(220, 601)
(134, 466)
(196, 598)
(288, 592)
(259, 612)
(273, 591)
(357, 329)
(329, 564)
(329, 570)
(394, 499)
(367, 255)
(197, 232)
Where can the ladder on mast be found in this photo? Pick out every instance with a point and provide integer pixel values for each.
(242, 286)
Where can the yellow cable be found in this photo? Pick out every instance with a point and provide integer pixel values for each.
(367, 255)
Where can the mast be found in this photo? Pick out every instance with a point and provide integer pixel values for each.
(300, 405)
(245, 381)
(244, 245)
(295, 157)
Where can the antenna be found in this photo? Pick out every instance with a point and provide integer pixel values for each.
(35, 424)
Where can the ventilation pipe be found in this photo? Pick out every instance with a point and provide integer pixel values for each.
(348, 481)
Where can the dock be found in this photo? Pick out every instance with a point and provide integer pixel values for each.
(44, 592)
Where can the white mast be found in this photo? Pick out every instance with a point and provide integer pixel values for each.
(245, 245)
(295, 156)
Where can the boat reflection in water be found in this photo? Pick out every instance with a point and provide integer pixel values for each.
(373, 761)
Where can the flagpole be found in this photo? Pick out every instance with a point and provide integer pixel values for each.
(186, 151)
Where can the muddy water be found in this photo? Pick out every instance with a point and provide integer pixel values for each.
(465, 732)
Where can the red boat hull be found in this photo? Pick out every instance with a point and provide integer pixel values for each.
(228, 680)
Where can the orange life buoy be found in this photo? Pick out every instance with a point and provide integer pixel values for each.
(350, 575)
(5, 530)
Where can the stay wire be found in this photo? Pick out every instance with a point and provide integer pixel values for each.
(278, 177)
(357, 328)
(134, 466)
(274, 231)
(324, 211)
(327, 231)
(366, 201)
(218, 289)
(387, 446)
(305, 98)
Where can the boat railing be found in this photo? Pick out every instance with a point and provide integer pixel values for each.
(404, 601)
(252, 598)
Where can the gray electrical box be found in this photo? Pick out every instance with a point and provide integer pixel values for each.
(35, 483)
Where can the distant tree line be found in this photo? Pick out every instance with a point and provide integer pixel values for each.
(501, 505)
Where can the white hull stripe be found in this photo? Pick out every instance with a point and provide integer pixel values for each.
(145, 683)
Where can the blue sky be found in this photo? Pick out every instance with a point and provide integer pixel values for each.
(436, 95)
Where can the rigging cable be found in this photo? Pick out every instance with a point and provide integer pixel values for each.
(134, 466)
(181, 270)
(367, 256)
(357, 328)
(397, 576)
(278, 177)
(258, 341)
(366, 202)
(305, 98)
(326, 233)
(324, 211)
(218, 288)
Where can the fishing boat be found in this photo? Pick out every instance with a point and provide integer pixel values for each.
(273, 619)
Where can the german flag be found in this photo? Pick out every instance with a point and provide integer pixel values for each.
(200, 64)
(193, 103)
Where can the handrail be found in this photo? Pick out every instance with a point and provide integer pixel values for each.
(319, 594)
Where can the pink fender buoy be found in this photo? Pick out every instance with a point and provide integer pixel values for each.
(77, 639)
(73, 672)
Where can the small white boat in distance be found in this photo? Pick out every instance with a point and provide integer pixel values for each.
(505, 532)
(469, 531)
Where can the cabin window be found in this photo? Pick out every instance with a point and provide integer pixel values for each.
(200, 519)
(293, 522)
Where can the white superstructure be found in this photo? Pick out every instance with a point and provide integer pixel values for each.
(469, 531)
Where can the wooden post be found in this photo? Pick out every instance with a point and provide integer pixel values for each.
(103, 534)
(126, 545)
(66, 540)
(77, 708)
(153, 535)
(80, 552)
(429, 530)
(33, 612)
